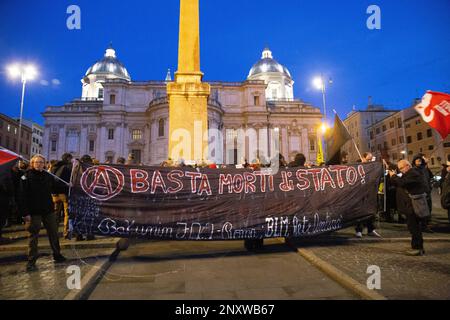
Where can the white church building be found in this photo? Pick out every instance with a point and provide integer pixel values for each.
(117, 116)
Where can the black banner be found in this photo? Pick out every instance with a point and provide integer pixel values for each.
(221, 204)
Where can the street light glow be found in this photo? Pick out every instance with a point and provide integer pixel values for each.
(318, 83)
(27, 72)
(324, 128)
(30, 72)
(14, 71)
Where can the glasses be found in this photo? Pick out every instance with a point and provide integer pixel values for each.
(39, 161)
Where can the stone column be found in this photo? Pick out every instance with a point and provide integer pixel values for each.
(188, 96)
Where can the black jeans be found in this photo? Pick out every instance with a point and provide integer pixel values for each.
(414, 227)
(369, 223)
(34, 226)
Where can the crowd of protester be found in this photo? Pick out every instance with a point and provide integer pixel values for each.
(33, 197)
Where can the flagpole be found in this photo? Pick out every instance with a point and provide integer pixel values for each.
(54, 176)
(354, 143)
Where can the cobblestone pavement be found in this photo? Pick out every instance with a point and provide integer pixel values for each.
(402, 277)
(214, 270)
(49, 281)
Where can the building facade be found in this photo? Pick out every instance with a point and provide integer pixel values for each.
(9, 131)
(421, 138)
(358, 124)
(37, 134)
(116, 116)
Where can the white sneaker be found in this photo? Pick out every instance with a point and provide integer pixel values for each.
(374, 233)
(359, 234)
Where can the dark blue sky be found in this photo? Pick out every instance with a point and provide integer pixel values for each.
(409, 55)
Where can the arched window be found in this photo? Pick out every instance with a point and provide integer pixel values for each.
(161, 128)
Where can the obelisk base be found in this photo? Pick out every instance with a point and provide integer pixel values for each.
(188, 114)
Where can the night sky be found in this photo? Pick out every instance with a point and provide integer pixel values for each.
(409, 55)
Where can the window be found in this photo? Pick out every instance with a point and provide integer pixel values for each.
(399, 123)
(419, 136)
(274, 93)
(1, 123)
(448, 157)
(21, 147)
(394, 156)
(379, 147)
(393, 142)
(91, 145)
(110, 134)
(418, 121)
(161, 128)
(430, 147)
(136, 134)
(112, 99)
(384, 128)
(256, 100)
(408, 139)
(429, 133)
(447, 145)
(100, 93)
(432, 161)
(109, 159)
(410, 152)
(371, 135)
(408, 126)
(8, 128)
(401, 139)
(385, 145)
(312, 144)
(53, 146)
(377, 131)
(392, 124)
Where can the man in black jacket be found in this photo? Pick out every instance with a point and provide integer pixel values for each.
(420, 162)
(410, 182)
(445, 194)
(60, 191)
(36, 197)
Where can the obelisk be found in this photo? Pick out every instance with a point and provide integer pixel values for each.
(188, 95)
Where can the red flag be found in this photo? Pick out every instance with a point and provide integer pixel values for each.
(7, 156)
(435, 110)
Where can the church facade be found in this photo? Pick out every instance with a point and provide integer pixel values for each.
(116, 116)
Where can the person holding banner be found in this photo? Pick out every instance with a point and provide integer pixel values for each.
(409, 183)
(63, 170)
(369, 223)
(36, 198)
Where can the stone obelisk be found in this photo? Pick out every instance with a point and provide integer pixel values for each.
(188, 95)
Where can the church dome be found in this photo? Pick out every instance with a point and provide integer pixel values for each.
(268, 64)
(109, 66)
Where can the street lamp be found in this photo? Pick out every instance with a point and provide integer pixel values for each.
(319, 83)
(25, 72)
